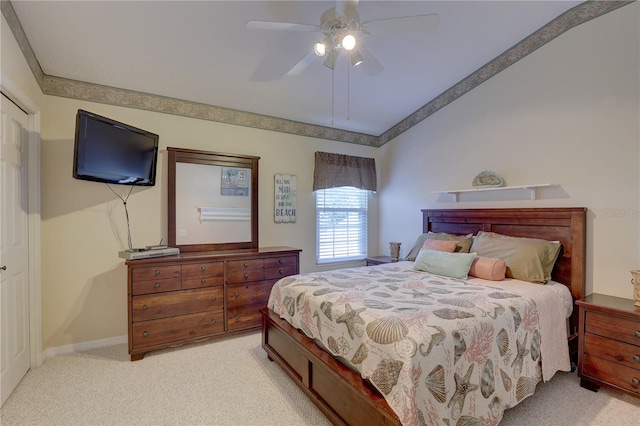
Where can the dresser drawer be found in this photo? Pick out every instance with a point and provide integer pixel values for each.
(205, 269)
(245, 276)
(616, 374)
(280, 272)
(245, 265)
(244, 317)
(154, 306)
(276, 262)
(156, 273)
(612, 350)
(150, 333)
(249, 294)
(199, 282)
(613, 327)
(155, 286)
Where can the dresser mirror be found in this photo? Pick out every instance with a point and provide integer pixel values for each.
(212, 200)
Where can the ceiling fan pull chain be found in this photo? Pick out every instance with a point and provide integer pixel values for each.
(348, 92)
(333, 101)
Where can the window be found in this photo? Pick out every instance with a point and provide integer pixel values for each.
(341, 224)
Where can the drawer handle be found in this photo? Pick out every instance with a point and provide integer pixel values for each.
(213, 298)
(237, 294)
(637, 333)
(635, 382)
(203, 281)
(280, 262)
(157, 272)
(157, 285)
(145, 307)
(203, 268)
(145, 334)
(280, 272)
(213, 322)
(636, 358)
(246, 265)
(238, 319)
(246, 276)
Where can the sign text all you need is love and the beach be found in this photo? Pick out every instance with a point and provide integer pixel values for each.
(286, 187)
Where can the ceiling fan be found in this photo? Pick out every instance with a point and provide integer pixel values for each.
(342, 31)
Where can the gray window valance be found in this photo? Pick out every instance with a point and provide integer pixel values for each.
(335, 170)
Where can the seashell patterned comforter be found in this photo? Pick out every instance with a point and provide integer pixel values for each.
(442, 351)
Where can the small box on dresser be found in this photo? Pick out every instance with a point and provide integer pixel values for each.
(609, 343)
(195, 296)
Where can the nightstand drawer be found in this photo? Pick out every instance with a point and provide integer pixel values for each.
(616, 374)
(612, 350)
(612, 327)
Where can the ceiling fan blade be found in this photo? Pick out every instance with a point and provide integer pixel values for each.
(303, 63)
(285, 26)
(403, 24)
(346, 8)
(370, 64)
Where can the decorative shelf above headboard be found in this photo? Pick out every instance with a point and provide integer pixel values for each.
(531, 188)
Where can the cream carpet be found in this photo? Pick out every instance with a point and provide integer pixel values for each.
(231, 382)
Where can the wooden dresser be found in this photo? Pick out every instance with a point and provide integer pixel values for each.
(200, 295)
(609, 343)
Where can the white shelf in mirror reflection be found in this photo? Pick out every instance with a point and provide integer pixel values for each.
(215, 214)
(531, 188)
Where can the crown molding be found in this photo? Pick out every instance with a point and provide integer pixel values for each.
(63, 87)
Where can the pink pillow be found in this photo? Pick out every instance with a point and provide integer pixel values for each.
(439, 245)
(488, 268)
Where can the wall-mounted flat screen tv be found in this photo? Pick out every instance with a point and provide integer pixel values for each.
(113, 152)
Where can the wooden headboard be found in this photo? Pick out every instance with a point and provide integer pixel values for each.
(567, 225)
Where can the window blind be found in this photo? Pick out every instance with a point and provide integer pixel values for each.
(341, 224)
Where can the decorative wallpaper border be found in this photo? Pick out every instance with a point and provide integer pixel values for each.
(58, 86)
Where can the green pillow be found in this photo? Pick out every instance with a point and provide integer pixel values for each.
(527, 259)
(454, 265)
(464, 242)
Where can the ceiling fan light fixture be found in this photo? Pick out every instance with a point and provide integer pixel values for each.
(349, 42)
(332, 57)
(356, 58)
(320, 49)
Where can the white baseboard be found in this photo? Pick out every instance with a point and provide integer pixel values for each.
(84, 346)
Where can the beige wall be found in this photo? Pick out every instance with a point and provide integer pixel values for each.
(567, 114)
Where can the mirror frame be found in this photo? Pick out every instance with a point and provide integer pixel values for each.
(181, 155)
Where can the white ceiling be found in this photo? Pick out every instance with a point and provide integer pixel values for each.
(201, 51)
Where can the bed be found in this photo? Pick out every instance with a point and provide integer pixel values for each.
(440, 362)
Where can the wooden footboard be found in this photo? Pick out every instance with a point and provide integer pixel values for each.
(337, 391)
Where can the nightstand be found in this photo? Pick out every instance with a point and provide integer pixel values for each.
(609, 344)
(378, 260)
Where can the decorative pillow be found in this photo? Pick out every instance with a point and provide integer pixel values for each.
(464, 242)
(527, 259)
(455, 265)
(488, 268)
(448, 246)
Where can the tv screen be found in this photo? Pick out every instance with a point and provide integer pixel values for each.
(113, 152)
